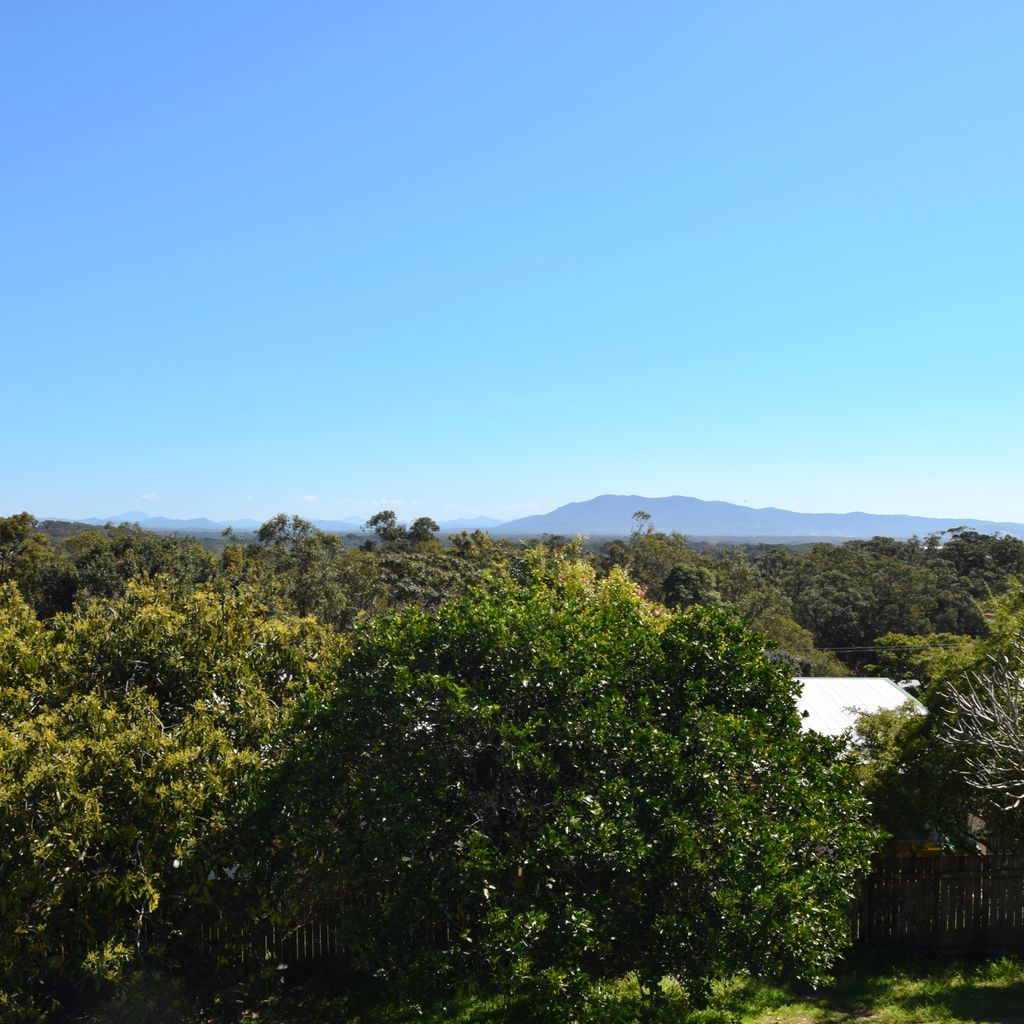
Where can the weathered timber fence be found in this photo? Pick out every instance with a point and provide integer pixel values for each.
(313, 940)
(962, 903)
(317, 939)
(950, 903)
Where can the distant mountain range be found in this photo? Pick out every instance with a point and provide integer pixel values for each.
(162, 524)
(610, 515)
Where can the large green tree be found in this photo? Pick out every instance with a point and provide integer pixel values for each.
(551, 782)
(129, 734)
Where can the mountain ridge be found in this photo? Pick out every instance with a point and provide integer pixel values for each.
(165, 524)
(611, 515)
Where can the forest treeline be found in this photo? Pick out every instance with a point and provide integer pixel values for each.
(828, 609)
(535, 768)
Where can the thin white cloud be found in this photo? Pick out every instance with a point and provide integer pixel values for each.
(311, 498)
(149, 496)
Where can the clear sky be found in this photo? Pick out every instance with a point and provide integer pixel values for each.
(460, 258)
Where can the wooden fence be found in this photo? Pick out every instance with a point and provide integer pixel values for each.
(317, 939)
(314, 940)
(948, 903)
(957, 904)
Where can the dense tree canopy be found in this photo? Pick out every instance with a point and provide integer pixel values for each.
(563, 763)
(825, 607)
(569, 784)
(953, 776)
(912, 779)
(129, 734)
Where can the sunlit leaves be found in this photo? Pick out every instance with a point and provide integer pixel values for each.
(564, 782)
(129, 736)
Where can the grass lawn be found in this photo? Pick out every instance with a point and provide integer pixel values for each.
(871, 989)
(883, 991)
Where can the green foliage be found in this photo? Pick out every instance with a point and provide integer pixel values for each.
(313, 572)
(686, 585)
(152, 997)
(849, 594)
(15, 532)
(105, 561)
(930, 658)
(651, 558)
(129, 735)
(27, 557)
(92, 562)
(944, 660)
(672, 571)
(911, 778)
(985, 563)
(552, 781)
(284, 531)
(761, 604)
(890, 989)
(926, 775)
(532, 778)
(392, 535)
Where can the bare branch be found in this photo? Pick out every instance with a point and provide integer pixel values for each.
(987, 723)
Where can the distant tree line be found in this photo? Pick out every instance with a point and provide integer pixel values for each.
(827, 609)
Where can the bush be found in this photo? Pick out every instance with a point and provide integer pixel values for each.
(551, 782)
(129, 736)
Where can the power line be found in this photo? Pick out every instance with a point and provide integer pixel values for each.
(887, 647)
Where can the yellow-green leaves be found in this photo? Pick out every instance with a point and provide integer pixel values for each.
(130, 735)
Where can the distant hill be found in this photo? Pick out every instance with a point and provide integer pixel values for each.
(123, 517)
(610, 515)
(163, 524)
(477, 523)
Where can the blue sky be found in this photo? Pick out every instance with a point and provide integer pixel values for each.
(462, 258)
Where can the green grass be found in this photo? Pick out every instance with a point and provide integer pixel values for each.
(884, 991)
(866, 990)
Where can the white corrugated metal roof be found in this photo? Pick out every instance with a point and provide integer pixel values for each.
(834, 703)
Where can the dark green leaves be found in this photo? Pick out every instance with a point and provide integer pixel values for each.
(565, 783)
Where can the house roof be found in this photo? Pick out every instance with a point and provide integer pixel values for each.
(832, 704)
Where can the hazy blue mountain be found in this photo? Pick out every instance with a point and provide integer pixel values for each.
(351, 524)
(446, 525)
(124, 517)
(476, 523)
(611, 515)
(162, 524)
